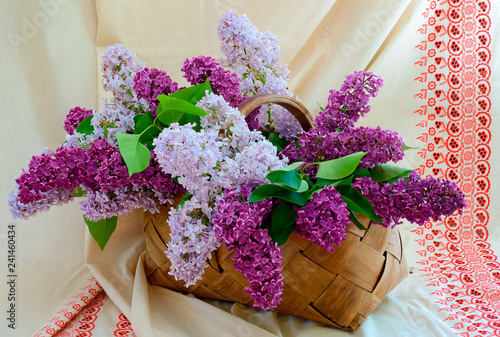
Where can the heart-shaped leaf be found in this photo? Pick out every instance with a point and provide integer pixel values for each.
(290, 178)
(355, 220)
(358, 203)
(194, 93)
(135, 154)
(274, 191)
(339, 168)
(85, 127)
(142, 123)
(101, 230)
(385, 172)
(281, 236)
(173, 109)
(283, 216)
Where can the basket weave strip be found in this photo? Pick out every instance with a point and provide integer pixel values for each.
(339, 289)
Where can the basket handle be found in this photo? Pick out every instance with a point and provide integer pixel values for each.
(296, 108)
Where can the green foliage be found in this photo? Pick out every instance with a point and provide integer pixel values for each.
(101, 230)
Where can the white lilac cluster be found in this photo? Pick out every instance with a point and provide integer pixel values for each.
(223, 154)
(254, 56)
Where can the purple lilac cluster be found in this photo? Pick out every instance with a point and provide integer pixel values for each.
(100, 171)
(347, 105)
(151, 82)
(224, 82)
(74, 118)
(238, 225)
(413, 198)
(381, 146)
(323, 220)
(254, 56)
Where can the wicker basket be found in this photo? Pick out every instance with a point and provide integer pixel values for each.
(339, 289)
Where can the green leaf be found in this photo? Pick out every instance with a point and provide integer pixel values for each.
(78, 192)
(290, 178)
(362, 172)
(85, 126)
(404, 147)
(149, 134)
(339, 168)
(384, 172)
(283, 216)
(101, 230)
(276, 140)
(282, 235)
(274, 191)
(143, 122)
(358, 203)
(134, 153)
(173, 110)
(355, 220)
(194, 93)
(185, 198)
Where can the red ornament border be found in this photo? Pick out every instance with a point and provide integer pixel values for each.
(457, 260)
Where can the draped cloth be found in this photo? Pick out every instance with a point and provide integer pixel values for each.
(439, 66)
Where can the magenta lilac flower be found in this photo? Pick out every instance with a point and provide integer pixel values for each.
(74, 118)
(413, 198)
(347, 105)
(381, 146)
(224, 82)
(151, 82)
(238, 225)
(323, 220)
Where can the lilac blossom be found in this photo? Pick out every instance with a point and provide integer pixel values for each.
(149, 83)
(238, 224)
(118, 67)
(254, 56)
(381, 146)
(192, 240)
(413, 198)
(347, 105)
(74, 118)
(224, 82)
(323, 220)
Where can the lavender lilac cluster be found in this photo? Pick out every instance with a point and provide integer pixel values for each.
(254, 56)
(238, 224)
(323, 220)
(413, 198)
(223, 154)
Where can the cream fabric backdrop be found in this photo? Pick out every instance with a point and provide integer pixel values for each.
(49, 63)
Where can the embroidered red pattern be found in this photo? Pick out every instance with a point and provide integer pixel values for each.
(82, 298)
(457, 260)
(123, 328)
(84, 322)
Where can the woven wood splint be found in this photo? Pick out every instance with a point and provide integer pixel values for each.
(339, 289)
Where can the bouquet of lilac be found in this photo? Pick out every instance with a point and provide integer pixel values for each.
(248, 182)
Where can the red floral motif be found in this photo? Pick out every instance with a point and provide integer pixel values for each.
(459, 264)
(76, 314)
(124, 328)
